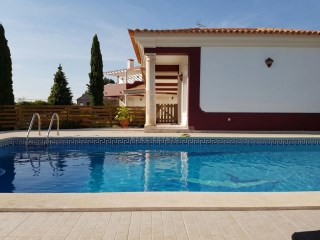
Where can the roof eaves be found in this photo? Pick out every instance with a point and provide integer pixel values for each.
(134, 44)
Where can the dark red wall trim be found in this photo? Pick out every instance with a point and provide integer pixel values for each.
(167, 84)
(173, 93)
(166, 89)
(200, 120)
(167, 77)
(167, 68)
(167, 50)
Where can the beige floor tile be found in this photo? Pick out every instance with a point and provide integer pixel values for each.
(179, 226)
(222, 219)
(146, 225)
(124, 225)
(135, 226)
(26, 228)
(22, 238)
(168, 225)
(92, 221)
(202, 226)
(9, 238)
(76, 230)
(215, 230)
(244, 222)
(64, 230)
(157, 225)
(54, 222)
(111, 229)
(101, 226)
(190, 225)
(10, 221)
(47, 238)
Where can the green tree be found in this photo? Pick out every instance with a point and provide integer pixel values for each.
(6, 90)
(108, 81)
(96, 83)
(60, 92)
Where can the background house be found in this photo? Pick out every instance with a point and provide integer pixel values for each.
(129, 89)
(84, 100)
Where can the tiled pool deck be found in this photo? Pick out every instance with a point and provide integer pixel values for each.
(158, 215)
(253, 225)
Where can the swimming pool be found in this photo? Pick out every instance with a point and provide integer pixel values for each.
(159, 164)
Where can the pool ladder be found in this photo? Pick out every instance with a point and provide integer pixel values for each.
(54, 116)
(31, 124)
(51, 123)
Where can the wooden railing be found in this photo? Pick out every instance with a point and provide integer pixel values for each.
(167, 113)
(19, 116)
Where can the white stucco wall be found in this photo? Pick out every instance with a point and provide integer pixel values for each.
(136, 101)
(166, 99)
(139, 101)
(236, 79)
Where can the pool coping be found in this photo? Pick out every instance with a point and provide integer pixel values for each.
(153, 201)
(132, 132)
(158, 201)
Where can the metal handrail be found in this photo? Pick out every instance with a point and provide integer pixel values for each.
(31, 124)
(50, 126)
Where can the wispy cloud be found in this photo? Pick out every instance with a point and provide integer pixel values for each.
(238, 21)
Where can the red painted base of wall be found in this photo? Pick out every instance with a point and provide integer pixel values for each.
(257, 121)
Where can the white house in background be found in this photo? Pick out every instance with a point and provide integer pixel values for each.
(234, 78)
(130, 86)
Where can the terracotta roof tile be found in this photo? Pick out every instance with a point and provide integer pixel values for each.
(283, 31)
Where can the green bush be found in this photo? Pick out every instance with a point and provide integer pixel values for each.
(123, 114)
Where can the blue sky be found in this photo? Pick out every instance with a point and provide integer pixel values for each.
(44, 33)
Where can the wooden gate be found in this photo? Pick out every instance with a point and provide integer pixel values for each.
(167, 113)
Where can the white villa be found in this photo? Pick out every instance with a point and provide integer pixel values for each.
(232, 79)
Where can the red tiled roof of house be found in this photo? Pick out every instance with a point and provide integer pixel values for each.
(114, 90)
(284, 31)
(117, 90)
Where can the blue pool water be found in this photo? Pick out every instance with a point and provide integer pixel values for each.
(144, 167)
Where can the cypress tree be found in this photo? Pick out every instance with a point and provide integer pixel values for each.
(96, 83)
(6, 90)
(60, 92)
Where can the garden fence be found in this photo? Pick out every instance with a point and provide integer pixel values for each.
(19, 116)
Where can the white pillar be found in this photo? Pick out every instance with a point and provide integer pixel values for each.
(179, 96)
(150, 60)
(185, 95)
